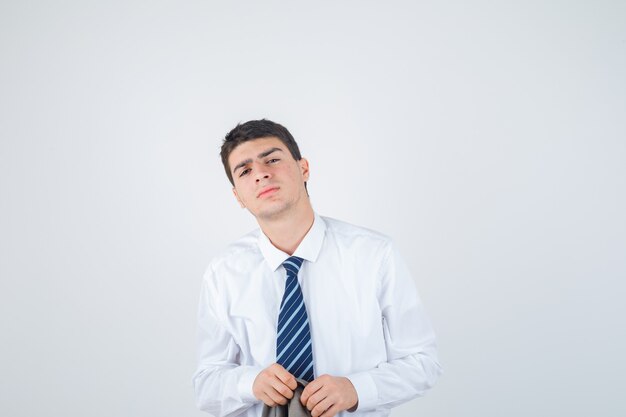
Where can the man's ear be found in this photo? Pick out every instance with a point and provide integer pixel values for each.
(238, 199)
(304, 168)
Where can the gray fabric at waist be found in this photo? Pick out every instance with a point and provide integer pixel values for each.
(293, 408)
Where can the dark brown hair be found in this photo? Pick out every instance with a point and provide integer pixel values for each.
(256, 129)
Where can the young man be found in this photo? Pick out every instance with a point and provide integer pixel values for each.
(305, 297)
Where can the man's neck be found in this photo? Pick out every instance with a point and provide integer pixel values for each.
(287, 232)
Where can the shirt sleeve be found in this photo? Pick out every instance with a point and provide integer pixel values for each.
(223, 387)
(412, 365)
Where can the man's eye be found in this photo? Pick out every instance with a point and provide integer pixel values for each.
(273, 160)
(244, 172)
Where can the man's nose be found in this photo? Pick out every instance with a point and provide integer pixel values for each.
(262, 172)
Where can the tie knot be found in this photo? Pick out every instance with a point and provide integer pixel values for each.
(293, 264)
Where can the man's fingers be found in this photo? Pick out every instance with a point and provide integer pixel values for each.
(321, 406)
(311, 388)
(331, 412)
(275, 396)
(285, 376)
(267, 400)
(327, 395)
(269, 388)
(273, 385)
(281, 388)
(315, 399)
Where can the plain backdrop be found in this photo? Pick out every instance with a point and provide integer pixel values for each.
(488, 139)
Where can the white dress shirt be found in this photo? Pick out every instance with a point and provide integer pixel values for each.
(367, 322)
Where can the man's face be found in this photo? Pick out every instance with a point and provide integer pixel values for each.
(268, 180)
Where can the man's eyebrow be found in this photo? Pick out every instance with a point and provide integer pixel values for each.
(267, 152)
(242, 164)
(261, 155)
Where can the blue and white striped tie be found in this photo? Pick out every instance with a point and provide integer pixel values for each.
(293, 343)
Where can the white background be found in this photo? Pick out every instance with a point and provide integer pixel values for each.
(487, 138)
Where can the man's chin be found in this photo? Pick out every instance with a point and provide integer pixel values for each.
(272, 213)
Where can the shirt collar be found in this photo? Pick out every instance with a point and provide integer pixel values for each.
(308, 249)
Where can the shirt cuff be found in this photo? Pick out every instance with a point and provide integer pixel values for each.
(366, 390)
(246, 380)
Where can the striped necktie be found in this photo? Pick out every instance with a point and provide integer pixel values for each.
(293, 343)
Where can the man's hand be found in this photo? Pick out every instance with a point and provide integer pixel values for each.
(327, 395)
(274, 385)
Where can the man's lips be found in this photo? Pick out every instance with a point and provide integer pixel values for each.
(267, 191)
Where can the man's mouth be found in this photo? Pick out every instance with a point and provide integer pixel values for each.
(267, 191)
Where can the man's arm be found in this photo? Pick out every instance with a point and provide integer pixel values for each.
(412, 366)
(223, 387)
